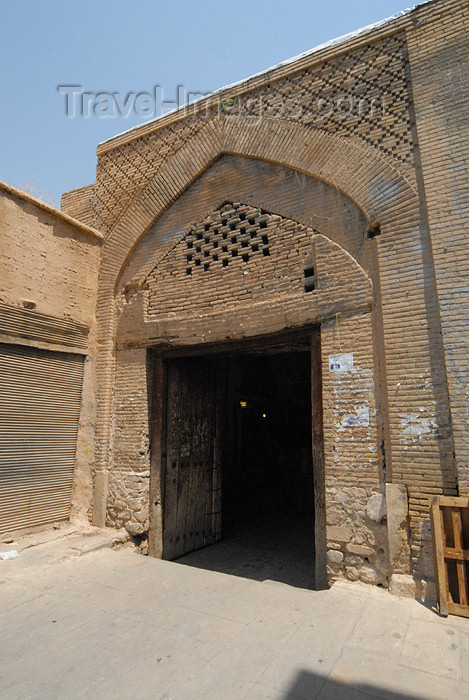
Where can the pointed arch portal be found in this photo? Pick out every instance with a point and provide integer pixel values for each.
(355, 221)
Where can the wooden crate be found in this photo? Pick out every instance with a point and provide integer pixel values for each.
(450, 530)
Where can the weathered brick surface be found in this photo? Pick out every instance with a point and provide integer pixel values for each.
(218, 300)
(439, 63)
(354, 459)
(47, 261)
(268, 291)
(79, 204)
(237, 253)
(310, 202)
(369, 80)
(396, 302)
(128, 501)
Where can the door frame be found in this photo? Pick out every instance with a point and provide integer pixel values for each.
(306, 338)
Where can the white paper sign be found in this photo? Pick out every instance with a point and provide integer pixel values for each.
(341, 363)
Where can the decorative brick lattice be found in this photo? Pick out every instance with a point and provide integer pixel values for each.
(363, 94)
(233, 231)
(237, 253)
(123, 172)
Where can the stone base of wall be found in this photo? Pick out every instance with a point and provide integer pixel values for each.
(357, 535)
(128, 501)
(408, 586)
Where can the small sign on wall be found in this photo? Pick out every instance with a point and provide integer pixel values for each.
(341, 363)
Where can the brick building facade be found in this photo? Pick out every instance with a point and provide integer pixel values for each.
(318, 210)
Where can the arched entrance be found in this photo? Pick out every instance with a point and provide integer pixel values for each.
(232, 263)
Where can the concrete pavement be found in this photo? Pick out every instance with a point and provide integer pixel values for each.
(115, 624)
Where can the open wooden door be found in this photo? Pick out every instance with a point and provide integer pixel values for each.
(192, 490)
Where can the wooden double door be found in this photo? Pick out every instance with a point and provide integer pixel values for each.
(191, 439)
(191, 495)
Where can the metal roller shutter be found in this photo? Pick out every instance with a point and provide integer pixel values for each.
(40, 397)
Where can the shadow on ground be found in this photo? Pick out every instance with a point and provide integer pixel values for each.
(307, 685)
(263, 548)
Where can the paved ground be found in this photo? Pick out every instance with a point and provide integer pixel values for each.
(114, 624)
(260, 548)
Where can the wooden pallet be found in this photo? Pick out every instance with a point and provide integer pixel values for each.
(450, 530)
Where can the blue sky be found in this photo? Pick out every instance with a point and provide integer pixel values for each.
(129, 46)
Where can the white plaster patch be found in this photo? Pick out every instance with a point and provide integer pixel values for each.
(361, 418)
(415, 425)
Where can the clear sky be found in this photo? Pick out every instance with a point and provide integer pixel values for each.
(131, 46)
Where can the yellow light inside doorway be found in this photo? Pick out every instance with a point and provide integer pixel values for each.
(243, 404)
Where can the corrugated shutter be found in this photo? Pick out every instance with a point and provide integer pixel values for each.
(40, 397)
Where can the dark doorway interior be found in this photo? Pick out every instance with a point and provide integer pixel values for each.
(267, 471)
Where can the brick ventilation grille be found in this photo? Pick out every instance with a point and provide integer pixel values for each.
(233, 231)
(238, 253)
(377, 71)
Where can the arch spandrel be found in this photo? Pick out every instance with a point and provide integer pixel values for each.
(368, 178)
(237, 269)
(273, 188)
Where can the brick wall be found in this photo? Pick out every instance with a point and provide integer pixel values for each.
(79, 204)
(439, 64)
(236, 254)
(165, 303)
(303, 276)
(47, 260)
(336, 178)
(129, 477)
(368, 79)
(273, 188)
(354, 458)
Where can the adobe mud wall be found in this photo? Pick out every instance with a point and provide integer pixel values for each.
(49, 268)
